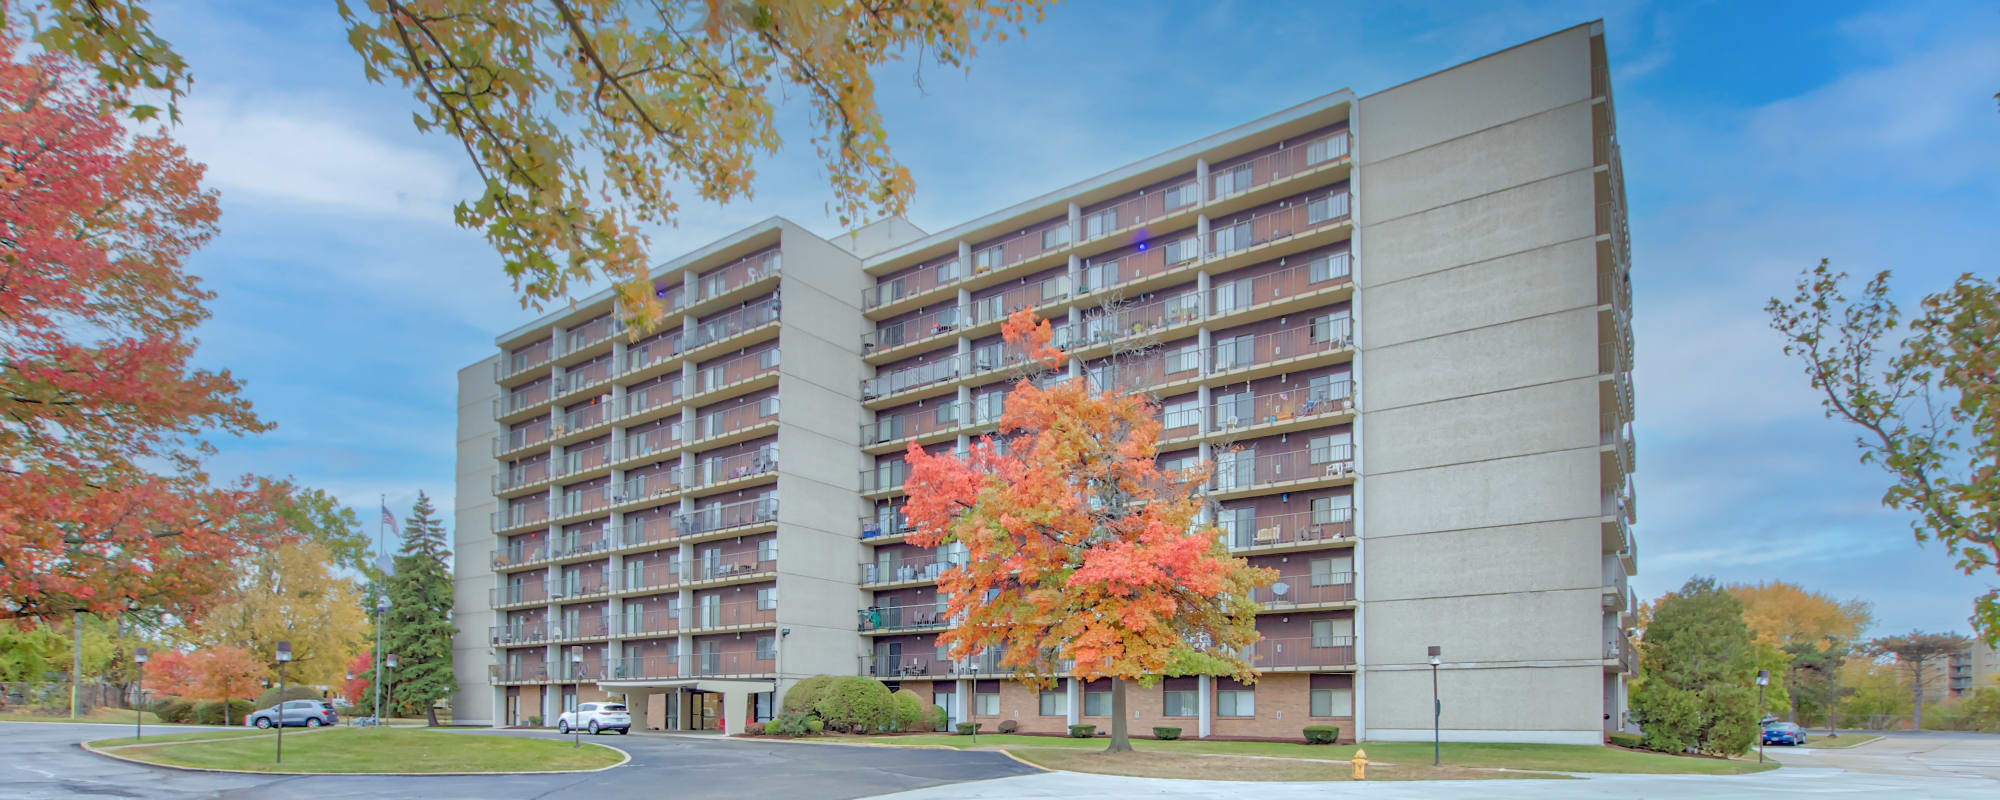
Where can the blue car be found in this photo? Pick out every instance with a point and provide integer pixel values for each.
(1784, 733)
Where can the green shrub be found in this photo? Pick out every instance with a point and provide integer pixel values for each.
(753, 729)
(908, 711)
(1082, 731)
(293, 692)
(1009, 726)
(211, 712)
(815, 725)
(158, 706)
(535, 722)
(177, 711)
(801, 697)
(1322, 734)
(969, 728)
(1167, 734)
(940, 721)
(855, 704)
(791, 725)
(1631, 740)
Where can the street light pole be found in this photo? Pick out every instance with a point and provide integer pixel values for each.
(576, 672)
(1763, 679)
(284, 657)
(1437, 707)
(139, 703)
(381, 610)
(393, 663)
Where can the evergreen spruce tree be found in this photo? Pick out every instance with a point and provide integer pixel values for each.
(1697, 692)
(418, 628)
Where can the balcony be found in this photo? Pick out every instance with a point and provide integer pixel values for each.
(740, 418)
(658, 351)
(648, 667)
(763, 510)
(1300, 589)
(585, 501)
(1298, 529)
(1252, 231)
(917, 282)
(519, 553)
(581, 543)
(716, 663)
(651, 575)
(657, 440)
(652, 622)
(1135, 319)
(590, 669)
(736, 370)
(735, 467)
(519, 633)
(743, 272)
(526, 672)
(1303, 652)
(519, 594)
(1246, 351)
(1296, 286)
(916, 377)
(521, 515)
(520, 477)
(1229, 180)
(905, 666)
(571, 423)
(733, 323)
(578, 460)
(635, 533)
(514, 403)
(925, 567)
(580, 626)
(921, 328)
(1043, 239)
(1270, 412)
(583, 377)
(651, 486)
(522, 438)
(885, 477)
(878, 526)
(1240, 472)
(1140, 210)
(1099, 274)
(742, 613)
(658, 395)
(516, 364)
(592, 333)
(734, 566)
(889, 618)
(581, 583)
(915, 423)
(994, 308)
(1618, 656)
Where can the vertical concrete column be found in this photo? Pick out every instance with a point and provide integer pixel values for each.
(1203, 341)
(1201, 234)
(1204, 299)
(688, 288)
(963, 697)
(1075, 230)
(964, 400)
(1201, 184)
(1206, 699)
(1075, 700)
(964, 258)
(1075, 274)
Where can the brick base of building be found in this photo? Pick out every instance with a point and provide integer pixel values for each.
(1283, 711)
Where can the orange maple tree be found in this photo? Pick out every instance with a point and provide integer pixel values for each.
(1083, 557)
(104, 507)
(170, 673)
(361, 676)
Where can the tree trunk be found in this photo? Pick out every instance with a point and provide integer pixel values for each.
(1917, 708)
(431, 714)
(1120, 742)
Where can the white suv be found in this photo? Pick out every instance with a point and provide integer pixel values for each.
(596, 718)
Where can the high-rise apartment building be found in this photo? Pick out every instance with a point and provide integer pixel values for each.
(1398, 325)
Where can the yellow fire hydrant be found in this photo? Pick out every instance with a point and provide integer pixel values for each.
(1361, 765)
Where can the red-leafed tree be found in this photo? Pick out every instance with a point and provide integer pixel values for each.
(361, 676)
(1083, 556)
(104, 507)
(227, 673)
(171, 672)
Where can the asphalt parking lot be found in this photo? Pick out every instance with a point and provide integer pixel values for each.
(41, 760)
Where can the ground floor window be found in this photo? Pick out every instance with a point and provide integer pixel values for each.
(986, 705)
(1236, 703)
(1097, 704)
(1055, 704)
(761, 704)
(1178, 704)
(1333, 703)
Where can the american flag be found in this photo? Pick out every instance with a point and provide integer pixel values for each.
(388, 518)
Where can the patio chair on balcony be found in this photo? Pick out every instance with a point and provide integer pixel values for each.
(1267, 535)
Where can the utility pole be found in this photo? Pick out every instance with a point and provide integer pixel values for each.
(381, 604)
(75, 661)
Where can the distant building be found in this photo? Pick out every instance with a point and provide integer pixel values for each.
(1972, 668)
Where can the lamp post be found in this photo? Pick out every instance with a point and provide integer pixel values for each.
(284, 657)
(393, 663)
(381, 610)
(139, 703)
(1437, 707)
(1763, 680)
(576, 664)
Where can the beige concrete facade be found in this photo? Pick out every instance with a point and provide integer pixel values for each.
(1399, 325)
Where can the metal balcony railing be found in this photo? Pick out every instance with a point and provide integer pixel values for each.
(519, 553)
(892, 524)
(891, 426)
(907, 378)
(728, 515)
(651, 622)
(1233, 411)
(926, 565)
(584, 501)
(733, 566)
(1302, 588)
(1039, 239)
(519, 514)
(736, 465)
(518, 633)
(591, 333)
(526, 672)
(583, 582)
(647, 667)
(646, 531)
(736, 418)
(1133, 319)
(580, 626)
(517, 594)
(524, 475)
(653, 351)
(589, 416)
(1237, 177)
(1135, 211)
(743, 272)
(1103, 273)
(1303, 651)
(583, 459)
(533, 433)
(905, 666)
(723, 326)
(915, 329)
(1332, 524)
(581, 543)
(722, 615)
(595, 371)
(901, 617)
(1032, 295)
(1325, 271)
(650, 574)
(885, 476)
(716, 663)
(930, 276)
(652, 441)
(1244, 469)
(660, 394)
(522, 400)
(1244, 231)
(650, 485)
(735, 370)
(530, 357)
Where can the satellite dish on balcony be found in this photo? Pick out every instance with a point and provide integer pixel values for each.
(1280, 588)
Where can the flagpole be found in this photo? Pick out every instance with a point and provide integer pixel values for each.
(380, 524)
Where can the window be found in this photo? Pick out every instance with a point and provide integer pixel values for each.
(989, 308)
(635, 619)
(1187, 249)
(1055, 704)
(1235, 468)
(1231, 238)
(1178, 703)
(1055, 288)
(1328, 267)
(1332, 702)
(1236, 351)
(1100, 274)
(947, 414)
(1332, 571)
(1233, 409)
(768, 407)
(1236, 703)
(1326, 149)
(986, 259)
(767, 598)
(988, 407)
(1333, 206)
(1333, 447)
(1330, 328)
(1237, 524)
(1097, 704)
(986, 705)
(1330, 387)
(1230, 180)
(1182, 414)
(1100, 223)
(767, 549)
(767, 648)
(1180, 463)
(768, 358)
(1184, 359)
(711, 612)
(1332, 632)
(1055, 236)
(1183, 195)
(947, 272)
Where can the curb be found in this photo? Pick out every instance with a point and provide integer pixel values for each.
(194, 741)
(625, 758)
(1001, 750)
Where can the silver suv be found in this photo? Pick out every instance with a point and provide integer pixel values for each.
(596, 718)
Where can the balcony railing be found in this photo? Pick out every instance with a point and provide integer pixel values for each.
(736, 370)
(908, 378)
(581, 543)
(520, 553)
(927, 566)
(733, 566)
(652, 441)
(518, 438)
(1241, 352)
(914, 329)
(1303, 651)
(1132, 319)
(732, 664)
(742, 273)
(889, 427)
(589, 416)
(529, 513)
(1306, 588)
(591, 333)
(1246, 231)
(874, 525)
(522, 400)
(646, 531)
(517, 633)
(651, 622)
(539, 354)
(728, 515)
(728, 421)
(1325, 271)
(755, 315)
(583, 583)
(905, 666)
(1032, 295)
(1273, 407)
(517, 594)
(1226, 180)
(1243, 470)
(584, 501)
(653, 352)
(1332, 524)
(652, 574)
(652, 484)
(901, 617)
(518, 673)
(736, 465)
(583, 459)
(1045, 238)
(662, 666)
(884, 476)
(722, 615)
(1103, 273)
(917, 282)
(580, 626)
(525, 475)
(660, 394)
(1136, 211)
(584, 375)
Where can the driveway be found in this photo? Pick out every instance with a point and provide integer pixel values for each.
(41, 760)
(1932, 753)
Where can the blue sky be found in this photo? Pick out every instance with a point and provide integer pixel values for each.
(1757, 139)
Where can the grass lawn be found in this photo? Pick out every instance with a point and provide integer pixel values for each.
(1531, 757)
(110, 716)
(1245, 768)
(181, 736)
(383, 750)
(1850, 740)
